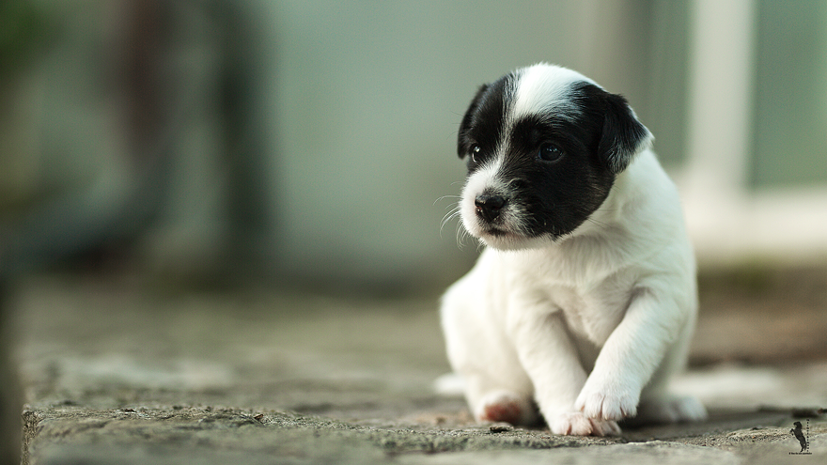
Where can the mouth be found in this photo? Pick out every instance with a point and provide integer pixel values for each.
(503, 239)
(500, 234)
(497, 232)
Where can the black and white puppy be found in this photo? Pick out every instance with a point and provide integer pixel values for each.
(584, 301)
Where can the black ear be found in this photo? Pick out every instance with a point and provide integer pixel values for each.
(623, 135)
(465, 125)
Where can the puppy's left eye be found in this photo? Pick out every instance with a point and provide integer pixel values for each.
(549, 152)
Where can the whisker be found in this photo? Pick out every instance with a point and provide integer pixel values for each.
(454, 213)
(480, 246)
(446, 197)
(462, 235)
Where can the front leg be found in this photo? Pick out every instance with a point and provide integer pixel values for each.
(550, 358)
(630, 357)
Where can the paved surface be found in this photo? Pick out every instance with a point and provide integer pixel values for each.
(115, 374)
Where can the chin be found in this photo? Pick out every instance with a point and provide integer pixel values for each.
(505, 241)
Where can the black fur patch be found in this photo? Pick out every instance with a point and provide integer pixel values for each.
(621, 133)
(484, 121)
(552, 197)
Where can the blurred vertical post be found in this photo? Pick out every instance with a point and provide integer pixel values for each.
(10, 407)
(22, 35)
(720, 103)
(721, 88)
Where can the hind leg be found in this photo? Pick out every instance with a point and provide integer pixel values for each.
(496, 386)
(497, 404)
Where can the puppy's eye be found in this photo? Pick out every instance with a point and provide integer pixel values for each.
(475, 153)
(549, 152)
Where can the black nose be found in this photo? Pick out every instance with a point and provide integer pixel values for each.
(489, 206)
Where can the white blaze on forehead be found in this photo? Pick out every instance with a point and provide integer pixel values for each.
(544, 88)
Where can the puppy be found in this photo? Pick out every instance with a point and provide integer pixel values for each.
(583, 303)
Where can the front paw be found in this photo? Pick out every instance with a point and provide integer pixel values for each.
(578, 424)
(608, 402)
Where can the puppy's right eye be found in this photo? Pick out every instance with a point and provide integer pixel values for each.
(475, 153)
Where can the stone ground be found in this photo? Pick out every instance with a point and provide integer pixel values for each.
(115, 374)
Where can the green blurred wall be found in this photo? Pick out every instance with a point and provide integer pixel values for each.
(790, 127)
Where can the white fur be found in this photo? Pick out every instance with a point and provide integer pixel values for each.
(590, 327)
(539, 90)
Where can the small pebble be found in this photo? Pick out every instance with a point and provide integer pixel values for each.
(500, 428)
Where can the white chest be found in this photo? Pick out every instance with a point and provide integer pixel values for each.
(593, 314)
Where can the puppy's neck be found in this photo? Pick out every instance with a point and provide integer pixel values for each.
(618, 209)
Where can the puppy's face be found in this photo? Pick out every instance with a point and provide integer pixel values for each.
(543, 146)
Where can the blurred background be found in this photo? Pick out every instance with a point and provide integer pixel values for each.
(314, 140)
(216, 143)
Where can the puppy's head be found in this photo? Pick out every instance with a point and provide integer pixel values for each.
(543, 146)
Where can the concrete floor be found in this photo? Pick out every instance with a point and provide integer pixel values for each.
(115, 374)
